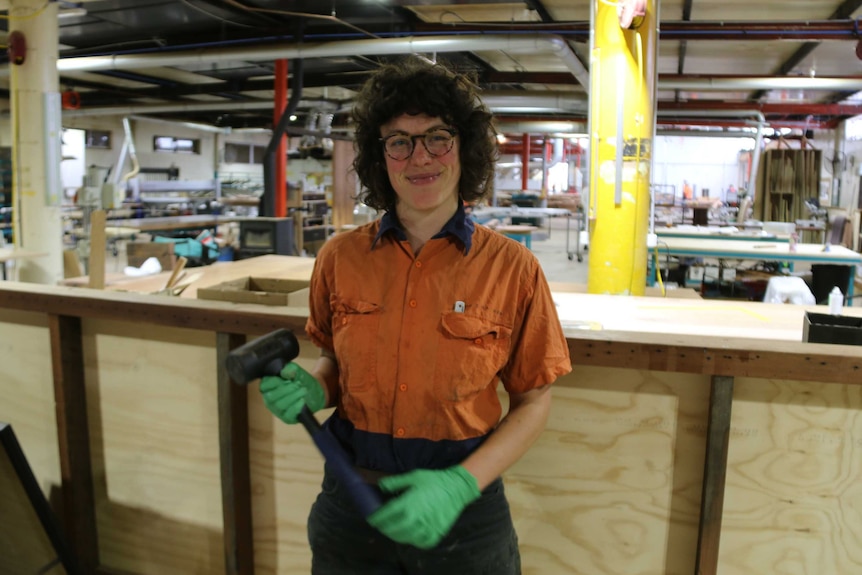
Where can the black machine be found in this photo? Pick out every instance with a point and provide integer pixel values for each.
(261, 236)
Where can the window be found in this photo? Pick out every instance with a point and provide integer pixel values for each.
(243, 153)
(176, 145)
(853, 128)
(99, 139)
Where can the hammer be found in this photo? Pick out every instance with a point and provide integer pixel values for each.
(267, 355)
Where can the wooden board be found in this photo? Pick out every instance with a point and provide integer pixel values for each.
(612, 486)
(794, 479)
(96, 264)
(27, 392)
(154, 447)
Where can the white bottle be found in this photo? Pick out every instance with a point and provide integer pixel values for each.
(836, 300)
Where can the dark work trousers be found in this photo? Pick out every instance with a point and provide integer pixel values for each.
(482, 541)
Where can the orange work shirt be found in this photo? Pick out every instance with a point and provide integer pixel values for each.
(422, 340)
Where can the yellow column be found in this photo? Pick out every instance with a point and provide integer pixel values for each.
(622, 111)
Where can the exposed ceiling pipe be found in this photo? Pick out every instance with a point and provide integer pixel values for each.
(189, 125)
(728, 83)
(503, 101)
(191, 107)
(527, 126)
(513, 44)
(703, 133)
(758, 30)
(515, 102)
(510, 102)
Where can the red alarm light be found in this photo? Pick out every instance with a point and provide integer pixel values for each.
(71, 100)
(17, 47)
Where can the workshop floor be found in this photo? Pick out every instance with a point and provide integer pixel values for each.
(551, 250)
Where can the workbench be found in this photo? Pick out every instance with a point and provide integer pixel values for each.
(12, 253)
(777, 251)
(685, 424)
(484, 213)
(717, 233)
(174, 223)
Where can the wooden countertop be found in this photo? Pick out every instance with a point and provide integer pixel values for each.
(679, 314)
(709, 337)
(269, 266)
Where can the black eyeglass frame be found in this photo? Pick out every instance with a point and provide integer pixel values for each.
(412, 137)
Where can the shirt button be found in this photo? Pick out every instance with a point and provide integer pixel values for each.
(400, 432)
(344, 321)
(412, 303)
(418, 264)
(478, 341)
(403, 387)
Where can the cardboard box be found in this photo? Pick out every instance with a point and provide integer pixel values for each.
(827, 328)
(266, 291)
(138, 252)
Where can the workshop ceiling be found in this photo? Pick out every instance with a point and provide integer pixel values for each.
(212, 61)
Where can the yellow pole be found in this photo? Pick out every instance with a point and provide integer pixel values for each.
(622, 112)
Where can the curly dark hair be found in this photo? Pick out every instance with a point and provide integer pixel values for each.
(416, 86)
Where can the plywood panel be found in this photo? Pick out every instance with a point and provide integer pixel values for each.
(27, 392)
(793, 502)
(154, 440)
(286, 474)
(611, 487)
(613, 484)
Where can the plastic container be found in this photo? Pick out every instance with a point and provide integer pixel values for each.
(825, 328)
(836, 301)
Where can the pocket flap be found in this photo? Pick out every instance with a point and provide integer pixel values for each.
(468, 327)
(354, 306)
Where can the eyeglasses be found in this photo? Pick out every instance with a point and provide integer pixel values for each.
(438, 142)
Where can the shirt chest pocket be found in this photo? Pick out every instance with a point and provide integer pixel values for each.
(355, 326)
(470, 352)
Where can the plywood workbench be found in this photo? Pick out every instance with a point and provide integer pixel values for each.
(692, 437)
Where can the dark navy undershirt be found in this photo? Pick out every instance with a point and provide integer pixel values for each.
(459, 226)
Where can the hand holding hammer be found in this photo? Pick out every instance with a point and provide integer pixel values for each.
(292, 394)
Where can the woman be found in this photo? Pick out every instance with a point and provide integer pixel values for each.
(419, 316)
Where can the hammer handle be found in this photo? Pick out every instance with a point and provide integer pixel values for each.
(366, 499)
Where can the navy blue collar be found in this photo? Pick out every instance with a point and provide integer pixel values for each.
(459, 226)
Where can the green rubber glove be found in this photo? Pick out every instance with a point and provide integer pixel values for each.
(285, 394)
(430, 503)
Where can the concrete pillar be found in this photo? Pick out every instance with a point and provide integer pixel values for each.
(623, 77)
(36, 141)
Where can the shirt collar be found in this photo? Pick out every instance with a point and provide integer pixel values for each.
(459, 226)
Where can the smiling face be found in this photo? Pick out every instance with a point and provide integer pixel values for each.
(424, 184)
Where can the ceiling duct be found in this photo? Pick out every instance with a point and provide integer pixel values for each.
(509, 43)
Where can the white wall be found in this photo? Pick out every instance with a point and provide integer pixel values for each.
(706, 163)
(208, 164)
(73, 166)
(192, 166)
